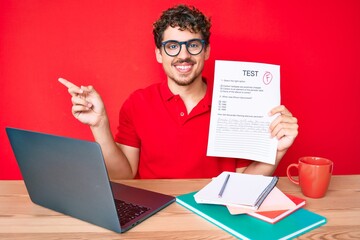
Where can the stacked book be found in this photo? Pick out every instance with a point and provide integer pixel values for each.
(251, 207)
(275, 207)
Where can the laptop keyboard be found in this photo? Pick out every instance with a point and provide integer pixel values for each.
(128, 211)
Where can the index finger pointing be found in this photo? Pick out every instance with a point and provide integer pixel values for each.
(72, 88)
(66, 83)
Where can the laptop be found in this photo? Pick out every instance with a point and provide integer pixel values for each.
(69, 176)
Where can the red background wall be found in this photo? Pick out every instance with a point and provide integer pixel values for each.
(109, 44)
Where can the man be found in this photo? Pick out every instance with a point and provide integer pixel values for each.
(163, 129)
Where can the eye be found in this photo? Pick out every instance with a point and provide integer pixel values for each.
(172, 45)
(194, 44)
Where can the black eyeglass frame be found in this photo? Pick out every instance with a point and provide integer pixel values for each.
(186, 43)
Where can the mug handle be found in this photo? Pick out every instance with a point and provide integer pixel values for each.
(331, 168)
(289, 175)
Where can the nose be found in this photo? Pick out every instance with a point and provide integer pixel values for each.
(183, 52)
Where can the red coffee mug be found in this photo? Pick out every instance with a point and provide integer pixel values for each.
(314, 175)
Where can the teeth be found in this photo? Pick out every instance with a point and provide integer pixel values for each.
(183, 67)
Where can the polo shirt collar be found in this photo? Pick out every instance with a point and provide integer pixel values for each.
(167, 95)
(165, 91)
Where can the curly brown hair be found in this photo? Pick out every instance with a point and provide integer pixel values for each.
(186, 18)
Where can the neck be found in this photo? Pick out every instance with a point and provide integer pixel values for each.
(190, 94)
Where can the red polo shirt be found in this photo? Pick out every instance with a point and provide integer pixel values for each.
(172, 143)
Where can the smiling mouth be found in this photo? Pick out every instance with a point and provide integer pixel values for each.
(184, 65)
(183, 68)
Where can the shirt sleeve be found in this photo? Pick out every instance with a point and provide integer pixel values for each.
(126, 130)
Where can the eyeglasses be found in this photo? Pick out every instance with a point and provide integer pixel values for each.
(193, 46)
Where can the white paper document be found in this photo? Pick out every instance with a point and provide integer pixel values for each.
(243, 95)
(242, 190)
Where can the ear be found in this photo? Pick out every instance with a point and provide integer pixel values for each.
(207, 52)
(158, 55)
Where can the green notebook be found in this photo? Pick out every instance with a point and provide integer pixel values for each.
(246, 227)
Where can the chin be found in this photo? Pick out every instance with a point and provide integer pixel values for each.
(184, 80)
